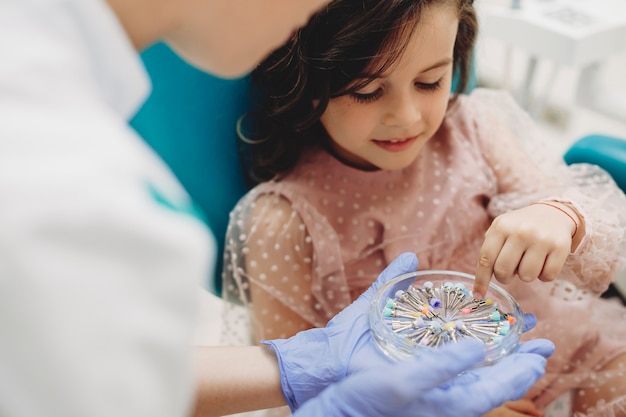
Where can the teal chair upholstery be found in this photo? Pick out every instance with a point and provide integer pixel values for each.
(608, 152)
(190, 120)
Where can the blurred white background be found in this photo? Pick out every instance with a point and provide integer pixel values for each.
(554, 88)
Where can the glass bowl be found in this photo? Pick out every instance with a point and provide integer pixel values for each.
(424, 310)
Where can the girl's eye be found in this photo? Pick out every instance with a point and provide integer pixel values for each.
(429, 86)
(366, 97)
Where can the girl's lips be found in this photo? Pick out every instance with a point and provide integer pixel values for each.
(395, 145)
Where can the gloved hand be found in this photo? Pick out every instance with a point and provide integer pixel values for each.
(431, 385)
(313, 359)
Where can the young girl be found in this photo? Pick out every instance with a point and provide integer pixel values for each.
(364, 155)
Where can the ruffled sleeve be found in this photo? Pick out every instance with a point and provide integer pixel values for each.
(527, 169)
(283, 269)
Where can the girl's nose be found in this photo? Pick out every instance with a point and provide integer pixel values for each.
(402, 110)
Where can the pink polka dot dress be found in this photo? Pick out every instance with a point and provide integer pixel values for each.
(302, 247)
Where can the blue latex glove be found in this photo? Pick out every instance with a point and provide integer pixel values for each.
(430, 385)
(313, 359)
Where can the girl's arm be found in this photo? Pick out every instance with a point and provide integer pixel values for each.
(529, 169)
(273, 277)
(279, 263)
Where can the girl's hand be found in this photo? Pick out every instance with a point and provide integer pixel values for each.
(530, 243)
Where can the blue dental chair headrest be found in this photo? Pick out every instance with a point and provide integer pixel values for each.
(190, 119)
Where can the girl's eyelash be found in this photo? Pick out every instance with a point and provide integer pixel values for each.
(370, 97)
(366, 98)
(429, 86)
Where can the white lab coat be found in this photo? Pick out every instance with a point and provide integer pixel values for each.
(99, 259)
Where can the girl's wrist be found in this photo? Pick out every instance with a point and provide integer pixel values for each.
(578, 223)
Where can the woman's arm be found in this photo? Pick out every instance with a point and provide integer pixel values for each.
(236, 379)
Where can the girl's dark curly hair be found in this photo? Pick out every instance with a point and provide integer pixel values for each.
(320, 62)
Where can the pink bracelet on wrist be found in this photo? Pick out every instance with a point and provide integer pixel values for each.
(562, 211)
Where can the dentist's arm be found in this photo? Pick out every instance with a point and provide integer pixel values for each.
(307, 369)
(236, 379)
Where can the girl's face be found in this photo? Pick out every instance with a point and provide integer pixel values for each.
(385, 124)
